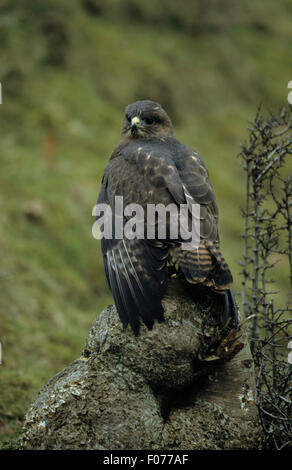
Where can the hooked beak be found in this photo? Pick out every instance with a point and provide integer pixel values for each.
(135, 123)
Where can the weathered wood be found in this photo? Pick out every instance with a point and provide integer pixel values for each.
(154, 391)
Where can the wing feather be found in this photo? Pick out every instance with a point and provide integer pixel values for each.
(159, 173)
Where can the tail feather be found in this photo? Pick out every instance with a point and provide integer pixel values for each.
(205, 266)
(233, 310)
(226, 309)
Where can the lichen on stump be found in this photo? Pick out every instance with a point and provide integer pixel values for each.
(178, 386)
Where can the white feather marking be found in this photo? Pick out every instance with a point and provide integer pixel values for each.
(133, 269)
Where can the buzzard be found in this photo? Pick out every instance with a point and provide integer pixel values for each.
(148, 167)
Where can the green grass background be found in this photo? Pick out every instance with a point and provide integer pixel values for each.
(67, 70)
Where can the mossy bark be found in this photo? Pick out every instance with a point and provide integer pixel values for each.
(164, 389)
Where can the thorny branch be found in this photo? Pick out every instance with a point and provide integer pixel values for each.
(268, 243)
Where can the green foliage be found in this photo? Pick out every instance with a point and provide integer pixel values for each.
(67, 71)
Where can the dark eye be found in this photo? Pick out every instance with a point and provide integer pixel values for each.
(128, 118)
(149, 120)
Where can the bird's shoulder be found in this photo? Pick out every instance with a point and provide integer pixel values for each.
(168, 148)
(148, 157)
(161, 162)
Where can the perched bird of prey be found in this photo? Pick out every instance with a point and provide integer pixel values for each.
(150, 166)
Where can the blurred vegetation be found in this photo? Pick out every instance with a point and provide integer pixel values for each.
(268, 243)
(67, 70)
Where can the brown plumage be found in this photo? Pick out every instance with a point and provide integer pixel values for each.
(150, 166)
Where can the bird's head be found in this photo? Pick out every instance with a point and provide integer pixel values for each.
(146, 119)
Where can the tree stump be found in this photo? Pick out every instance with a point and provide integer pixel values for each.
(186, 384)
